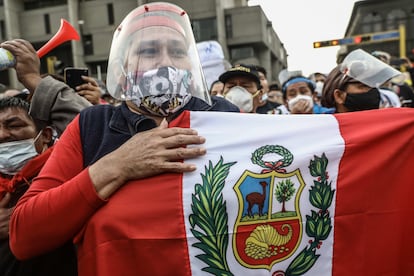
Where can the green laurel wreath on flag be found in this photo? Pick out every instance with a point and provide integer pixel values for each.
(318, 224)
(209, 220)
(257, 157)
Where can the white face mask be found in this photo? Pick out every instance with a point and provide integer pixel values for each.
(240, 97)
(298, 98)
(14, 155)
(161, 91)
(319, 88)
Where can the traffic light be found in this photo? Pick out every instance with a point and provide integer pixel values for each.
(361, 39)
(326, 43)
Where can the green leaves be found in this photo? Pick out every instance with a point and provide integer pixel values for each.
(209, 218)
(302, 263)
(319, 223)
(318, 166)
(284, 191)
(318, 226)
(257, 156)
(321, 195)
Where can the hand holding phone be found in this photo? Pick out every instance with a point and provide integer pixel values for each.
(73, 76)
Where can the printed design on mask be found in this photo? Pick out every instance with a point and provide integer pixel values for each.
(161, 91)
(268, 228)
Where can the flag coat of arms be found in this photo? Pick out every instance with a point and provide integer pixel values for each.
(274, 195)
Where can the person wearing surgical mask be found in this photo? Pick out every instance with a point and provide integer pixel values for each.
(24, 148)
(242, 88)
(354, 85)
(111, 159)
(28, 132)
(297, 93)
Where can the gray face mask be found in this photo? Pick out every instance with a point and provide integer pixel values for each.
(14, 155)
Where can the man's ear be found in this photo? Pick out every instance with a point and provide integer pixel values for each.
(47, 135)
(44, 140)
(339, 96)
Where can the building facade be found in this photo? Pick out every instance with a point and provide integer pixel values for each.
(244, 32)
(382, 16)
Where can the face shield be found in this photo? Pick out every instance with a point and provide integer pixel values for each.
(153, 61)
(367, 69)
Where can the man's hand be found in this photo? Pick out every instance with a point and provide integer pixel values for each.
(27, 62)
(301, 105)
(90, 90)
(146, 154)
(5, 216)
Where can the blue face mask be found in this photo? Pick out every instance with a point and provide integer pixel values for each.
(14, 155)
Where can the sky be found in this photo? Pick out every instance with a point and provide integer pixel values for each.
(299, 23)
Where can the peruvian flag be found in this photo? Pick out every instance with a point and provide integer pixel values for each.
(290, 195)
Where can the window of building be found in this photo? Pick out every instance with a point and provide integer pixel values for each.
(395, 18)
(103, 67)
(229, 26)
(205, 29)
(111, 17)
(46, 20)
(39, 4)
(242, 52)
(371, 23)
(87, 44)
(2, 30)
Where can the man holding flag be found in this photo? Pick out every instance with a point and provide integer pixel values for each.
(176, 201)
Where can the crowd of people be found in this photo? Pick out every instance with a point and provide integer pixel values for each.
(344, 89)
(60, 148)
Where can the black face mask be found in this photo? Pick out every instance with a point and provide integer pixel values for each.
(363, 101)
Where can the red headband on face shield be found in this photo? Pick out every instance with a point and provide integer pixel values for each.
(151, 16)
(152, 21)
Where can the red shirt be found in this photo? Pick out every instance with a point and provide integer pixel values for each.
(120, 236)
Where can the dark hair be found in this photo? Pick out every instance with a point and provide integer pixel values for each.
(335, 80)
(260, 69)
(14, 102)
(309, 83)
(213, 83)
(274, 86)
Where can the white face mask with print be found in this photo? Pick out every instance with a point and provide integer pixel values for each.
(14, 155)
(161, 91)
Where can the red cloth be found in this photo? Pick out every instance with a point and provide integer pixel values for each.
(141, 228)
(131, 245)
(30, 170)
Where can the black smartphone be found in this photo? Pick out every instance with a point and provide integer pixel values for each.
(73, 76)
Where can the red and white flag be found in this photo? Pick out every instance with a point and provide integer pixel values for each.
(299, 195)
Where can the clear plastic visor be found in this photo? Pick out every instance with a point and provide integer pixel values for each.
(367, 69)
(147, 42)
